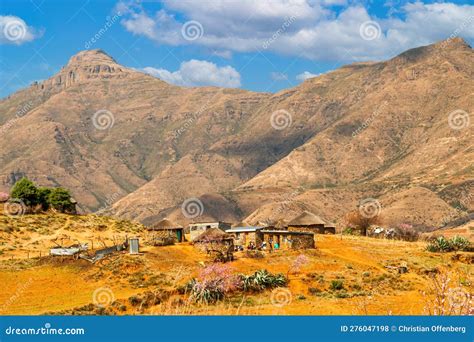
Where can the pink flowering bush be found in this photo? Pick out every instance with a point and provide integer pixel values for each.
(213, 283)
(4, 197)
(300, 261)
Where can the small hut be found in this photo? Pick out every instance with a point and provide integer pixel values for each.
(307, 222)
(216, 243)
(165, 231)
(285, 239)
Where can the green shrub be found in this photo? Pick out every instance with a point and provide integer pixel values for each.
(60, 199)
(348, 231)
(26, 191)
(441, 244)
(342, 294)
(57, 198)
(336, 285)
(314, 290)
(459, 243)
(43, 194)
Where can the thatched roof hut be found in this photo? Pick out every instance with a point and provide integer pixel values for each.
(165, 230)
(307, 221)
(217, 243)
(212, 235)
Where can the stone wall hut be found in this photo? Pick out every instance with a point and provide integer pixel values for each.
(307, 222)
(216, 243)
(165, 231)
(288, 239)
(245, 235)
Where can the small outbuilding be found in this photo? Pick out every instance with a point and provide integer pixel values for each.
(134, 245)
(307, 222)
(197, 228)
(165, 230)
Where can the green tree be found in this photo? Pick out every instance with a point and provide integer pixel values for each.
(26, 191)
(43, 196)
(60, 199)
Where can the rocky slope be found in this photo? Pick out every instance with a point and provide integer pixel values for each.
(378, 130)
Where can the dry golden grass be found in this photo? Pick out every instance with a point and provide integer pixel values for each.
(35, 286)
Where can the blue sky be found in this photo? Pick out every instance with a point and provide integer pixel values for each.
(264, 45)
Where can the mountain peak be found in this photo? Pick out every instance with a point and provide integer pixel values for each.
(450, 46)
(96, 56)
(452, 43)
(85, 65)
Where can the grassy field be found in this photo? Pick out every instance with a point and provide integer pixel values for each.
(344, 275)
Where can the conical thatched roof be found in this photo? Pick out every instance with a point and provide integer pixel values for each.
(306, 219)
(165, 224)
(212, 234)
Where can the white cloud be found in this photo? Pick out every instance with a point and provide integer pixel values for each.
(223, 54)
(198, 73)
(305, 75)
(278, 76)
(308, 28)
(334, 2)
(14, 30)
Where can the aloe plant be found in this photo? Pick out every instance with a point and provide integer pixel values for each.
(261, 280)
